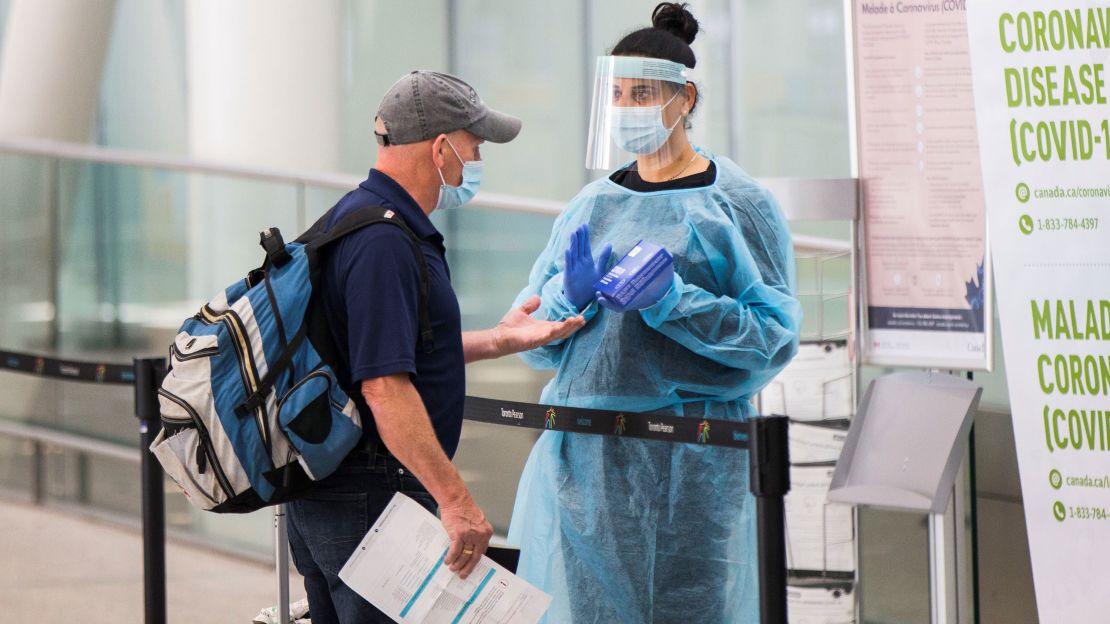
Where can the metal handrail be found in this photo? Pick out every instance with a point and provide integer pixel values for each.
(138, 158)
(818, 243)
(78, 442)
(42, 437)
(802, 198)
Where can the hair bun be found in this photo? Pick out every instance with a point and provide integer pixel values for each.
(675, 19)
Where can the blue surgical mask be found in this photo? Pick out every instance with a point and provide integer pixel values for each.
(454, 196)
(640, 129)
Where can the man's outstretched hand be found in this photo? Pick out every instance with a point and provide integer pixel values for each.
(520, 331)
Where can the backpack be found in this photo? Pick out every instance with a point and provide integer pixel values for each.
(251, 411)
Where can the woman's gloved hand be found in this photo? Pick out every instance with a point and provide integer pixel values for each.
(648, 296)
(581, 270)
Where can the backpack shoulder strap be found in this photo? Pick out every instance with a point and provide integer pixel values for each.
(319, 236)
(316, 238)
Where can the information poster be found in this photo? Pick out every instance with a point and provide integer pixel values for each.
(927, 286)
(820, 536)
(816, 385)
(1040, 78)
(820, 605)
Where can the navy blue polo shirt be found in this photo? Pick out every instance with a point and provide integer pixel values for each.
(370, 291)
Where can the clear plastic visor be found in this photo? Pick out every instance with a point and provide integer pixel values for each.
(637, 104)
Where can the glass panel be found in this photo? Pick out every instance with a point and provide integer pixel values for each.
(317, 201)
(26, 269)
(143, 248)
(60, 478)
(524, 58)
(25, 285)
(253, 532)
(824, 280)
(143, 88)
(373, 34)
(112, 484)
(894, 566)
(16, 462)
(140, 250)
(491, 254)
(99, 411)
(225, 215)
(76, 477)
(144, 100)
(490, 459)
(791, 92)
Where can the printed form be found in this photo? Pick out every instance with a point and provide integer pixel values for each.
(398, 567)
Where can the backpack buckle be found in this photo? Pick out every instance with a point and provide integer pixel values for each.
(253, 402)
(274, 244)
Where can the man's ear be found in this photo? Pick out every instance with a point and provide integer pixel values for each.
(439, 146)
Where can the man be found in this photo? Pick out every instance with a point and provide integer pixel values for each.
(430, 127)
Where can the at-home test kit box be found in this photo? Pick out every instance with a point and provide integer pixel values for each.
(635, 272)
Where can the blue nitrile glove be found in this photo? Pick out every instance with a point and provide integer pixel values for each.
(581, 270)
(649, 296)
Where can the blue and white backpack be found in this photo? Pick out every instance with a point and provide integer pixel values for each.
(251, 410)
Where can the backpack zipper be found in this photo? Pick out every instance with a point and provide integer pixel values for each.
(316, 372)
(182, 357)
(206, 440)
(246, 363)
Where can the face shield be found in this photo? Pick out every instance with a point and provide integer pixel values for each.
(637, 104)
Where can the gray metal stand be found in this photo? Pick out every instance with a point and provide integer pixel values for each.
(281, 555)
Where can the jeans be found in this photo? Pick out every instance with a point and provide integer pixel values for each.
(327, 525)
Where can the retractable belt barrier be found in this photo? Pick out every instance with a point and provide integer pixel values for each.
(765, 438)
(145, 375)
(70, 370)
(605, 422)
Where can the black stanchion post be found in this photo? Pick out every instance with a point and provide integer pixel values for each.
(148, 376)
(770, 472)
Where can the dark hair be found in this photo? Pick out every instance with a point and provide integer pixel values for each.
(672, 30)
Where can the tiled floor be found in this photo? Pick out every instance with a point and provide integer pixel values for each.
(58, 568)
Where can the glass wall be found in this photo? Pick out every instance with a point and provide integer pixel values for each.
(103, 263)
(26, 260)
(771, 77)
(526, 58)
(106, 260)
(143, 88)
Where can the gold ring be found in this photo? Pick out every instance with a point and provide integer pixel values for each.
(468, 551)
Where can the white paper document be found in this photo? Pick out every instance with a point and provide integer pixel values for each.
(814, 444)
(816, 385)
(399, 569)
(820, 605)
(820, 536)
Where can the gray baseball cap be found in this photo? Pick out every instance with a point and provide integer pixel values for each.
(425, 104)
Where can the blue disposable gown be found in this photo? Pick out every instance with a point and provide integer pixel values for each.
(637, 531)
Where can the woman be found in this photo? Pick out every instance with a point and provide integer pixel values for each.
(625, 530)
